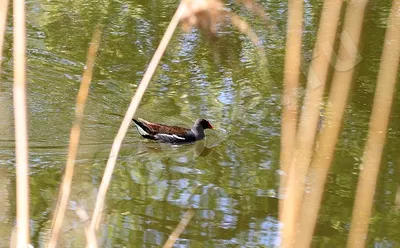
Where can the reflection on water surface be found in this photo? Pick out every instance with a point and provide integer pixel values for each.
(231, 179)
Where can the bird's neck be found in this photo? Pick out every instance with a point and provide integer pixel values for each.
(198, 131)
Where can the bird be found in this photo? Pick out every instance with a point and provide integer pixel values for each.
(172, 134)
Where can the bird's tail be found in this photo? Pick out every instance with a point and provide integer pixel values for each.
(142, 128)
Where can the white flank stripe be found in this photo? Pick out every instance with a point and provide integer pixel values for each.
(171, 136)
(178, 137)
(141, 131)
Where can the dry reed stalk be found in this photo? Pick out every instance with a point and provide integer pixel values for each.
(206, 14)
(3, 23)
(65, 188)
(5, 178)
(309, 119)
(91, 237)
(179, 229)
(327, 139)
(244, 28)
(202, 14)
(21, 124)
(255, 8)
(377, 131)
(290, 89)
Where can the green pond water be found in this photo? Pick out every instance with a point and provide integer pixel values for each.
(232, 183)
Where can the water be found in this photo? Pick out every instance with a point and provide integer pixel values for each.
(231, 179)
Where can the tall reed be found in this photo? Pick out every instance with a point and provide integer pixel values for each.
(378, 126)
(290, 89)
(346, 61)
(309, 119)
(179, 229)
(91, 237)
(83, 93)
(21, 124)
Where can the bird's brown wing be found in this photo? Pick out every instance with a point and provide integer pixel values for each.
(156, 128)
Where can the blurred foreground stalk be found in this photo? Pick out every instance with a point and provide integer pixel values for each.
(105, 182)
(348, 58)
(301, 157)
(377, 131)
(21, 124)
(179, 229)
(65, 188)
(290, 90)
